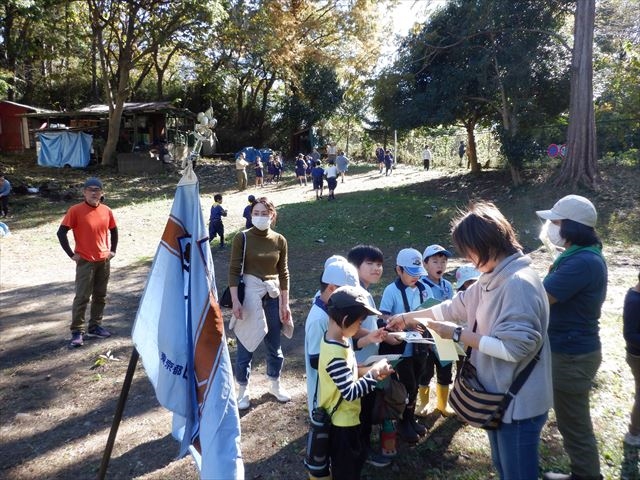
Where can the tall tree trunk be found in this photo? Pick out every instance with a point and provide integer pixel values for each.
(580, 165)
(118, 93)
(472, 153)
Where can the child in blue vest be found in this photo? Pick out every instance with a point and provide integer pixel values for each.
(317, 177)
(435, 260)
(406, 294)
(215, 220)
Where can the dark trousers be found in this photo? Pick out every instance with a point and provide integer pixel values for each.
(346, 452)
(409, 371)
(573, 377)
(216, 228)
(634, 362)
(443, 372)
(4, 204)
(366, 418)
(91, 284)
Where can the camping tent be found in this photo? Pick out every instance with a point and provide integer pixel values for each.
(251, 154)
(62, 149)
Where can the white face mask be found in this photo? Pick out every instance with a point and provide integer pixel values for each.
(261, 223)
(553, 234)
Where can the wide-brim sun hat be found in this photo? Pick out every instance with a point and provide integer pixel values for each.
(572, 207)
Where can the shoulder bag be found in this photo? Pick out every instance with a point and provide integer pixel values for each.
(225, 299)
(474, 404)
(317, 453)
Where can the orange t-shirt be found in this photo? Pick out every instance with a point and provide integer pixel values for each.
(90, 227)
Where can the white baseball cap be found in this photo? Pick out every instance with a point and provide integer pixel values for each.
(334, 258)
(411, 261)
(340, 273)
(465, 273)
(572, 207)
(433, 249)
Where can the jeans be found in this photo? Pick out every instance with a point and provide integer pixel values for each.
(275, 358)
(91, 283)
(572, 381)
(514, 448)
(634, 363)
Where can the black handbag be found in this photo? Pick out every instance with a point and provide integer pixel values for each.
(474, 404)
(225, 298)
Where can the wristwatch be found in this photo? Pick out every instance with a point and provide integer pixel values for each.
(456, 334)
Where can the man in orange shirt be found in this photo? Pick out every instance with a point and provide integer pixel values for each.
(90, 221)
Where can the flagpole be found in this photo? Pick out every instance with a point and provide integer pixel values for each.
(117, 418)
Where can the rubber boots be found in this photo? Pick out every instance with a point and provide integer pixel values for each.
(243, 398)
(442, 394)
(422, 404)
(408, 428)
(278, 391)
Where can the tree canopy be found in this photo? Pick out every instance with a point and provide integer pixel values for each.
(481, 62)
(270, 68)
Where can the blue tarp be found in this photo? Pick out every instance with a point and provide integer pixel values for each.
(61, 149)
(251, 153)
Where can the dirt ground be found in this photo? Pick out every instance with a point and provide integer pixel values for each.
(57, 409)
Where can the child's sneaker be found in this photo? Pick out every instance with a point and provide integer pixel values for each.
(99, 331)
(378, 460)
(633, 440)
(76, 340)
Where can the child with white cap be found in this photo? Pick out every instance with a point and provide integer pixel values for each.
(435, 258)
(466, 275)
(405, 294)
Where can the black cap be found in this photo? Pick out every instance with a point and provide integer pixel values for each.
(348, 296)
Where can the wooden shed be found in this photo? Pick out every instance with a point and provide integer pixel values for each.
(16, 130)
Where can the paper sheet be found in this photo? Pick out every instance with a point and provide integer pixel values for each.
(411, 337)
(374, 358)
(447, 350)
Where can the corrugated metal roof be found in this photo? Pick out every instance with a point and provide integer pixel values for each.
(133, 107)
(28, 107)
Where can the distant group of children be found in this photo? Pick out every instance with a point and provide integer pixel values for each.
(344, 328)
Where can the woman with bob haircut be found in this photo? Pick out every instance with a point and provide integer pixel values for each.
(503, 317)
(576, 286)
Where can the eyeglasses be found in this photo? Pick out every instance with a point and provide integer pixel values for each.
(94, 189)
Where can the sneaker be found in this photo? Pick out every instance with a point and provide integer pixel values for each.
(76, 340)
(633, 440)
(99, 331)
(378, 460)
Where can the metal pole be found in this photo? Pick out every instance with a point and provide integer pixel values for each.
(117, 418)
